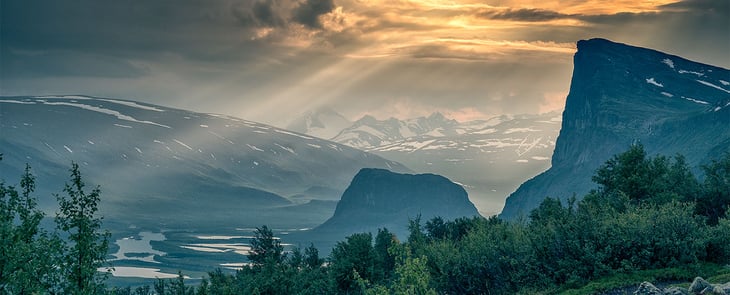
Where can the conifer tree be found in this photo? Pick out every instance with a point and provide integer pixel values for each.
(311, 257)
(86, 253)
(28, 254)
(265, 248)
(715, 201)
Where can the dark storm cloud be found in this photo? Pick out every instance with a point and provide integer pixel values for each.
(280, 13)
(694, 29)
(49, 64)
(713, 6)
(266, 59)
(309, 11)
(124, 24)
(697, 14)
(102, 38)
(107, 38)
(525, 14)
(262, 13)
(619, 19)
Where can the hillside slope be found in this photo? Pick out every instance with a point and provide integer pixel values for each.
(621, 95)
(171, 165)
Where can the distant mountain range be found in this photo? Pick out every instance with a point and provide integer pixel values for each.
(323, 122)
(622, 95)
(171, 166)
(489, 157)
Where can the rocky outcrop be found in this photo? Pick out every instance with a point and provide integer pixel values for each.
(379, 198)
(647, 288)
(620, 95)
(698, 286)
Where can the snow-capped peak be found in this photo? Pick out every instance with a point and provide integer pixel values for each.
(323, 122)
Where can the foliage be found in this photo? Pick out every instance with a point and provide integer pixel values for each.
(643, 179)
(35, 261)
(642, 223)
(88, 244)
(351, 258)
(265, 248)
(413, 277)
(649, 220)
(28, 253)
(623, 280)
(715, 198)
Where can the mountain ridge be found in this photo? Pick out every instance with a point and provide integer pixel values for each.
(621, 95)
(490, 158)
(322, 122)
(147, 154)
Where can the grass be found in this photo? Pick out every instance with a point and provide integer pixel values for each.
(714, 273)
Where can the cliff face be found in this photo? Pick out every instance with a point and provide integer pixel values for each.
(620, 95)
(379, 198)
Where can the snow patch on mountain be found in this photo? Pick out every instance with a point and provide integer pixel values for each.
(18, 101)
(291, 133)
(288, 149)
(713, 85)
(698, 74)
(121, 102)
(520, 130)
(696, 100)
(255, 148)
(654, 82)
(117, 114)
(183, 144)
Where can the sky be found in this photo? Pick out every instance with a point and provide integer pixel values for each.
(272, 60)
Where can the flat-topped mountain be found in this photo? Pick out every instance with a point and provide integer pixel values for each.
(620, 95)
(490, 158)
(379, 198)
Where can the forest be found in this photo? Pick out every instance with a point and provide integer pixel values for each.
(649, 218)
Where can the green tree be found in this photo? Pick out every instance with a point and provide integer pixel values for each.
(384, 261)
(160, 286)
(625, 173)
(203, 288)
(415, 231)
(28, 254)
(142, 290)
(437, 228)
(413, 278)
(221, 283)
(718, 249)
(177, 286)
(715, 199)
(649, 236)
(265, 248)
(89, 244)
(641, 179)
(311, 257)
(354, 255)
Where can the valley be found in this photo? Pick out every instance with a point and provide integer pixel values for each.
(183, 191)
